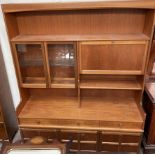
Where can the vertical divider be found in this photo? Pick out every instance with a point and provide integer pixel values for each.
(78, 74)
(17, 66)
(76, 64)
(48, 77)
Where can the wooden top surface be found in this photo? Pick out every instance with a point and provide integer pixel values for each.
(77, 5)
(105, 109)
(150, 89)
(119, 37)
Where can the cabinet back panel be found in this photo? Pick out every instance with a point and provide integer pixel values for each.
(108, 94)
(112, 57)
(35, 93)
(81, 22)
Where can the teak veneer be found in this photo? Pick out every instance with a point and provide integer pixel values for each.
(81, 70)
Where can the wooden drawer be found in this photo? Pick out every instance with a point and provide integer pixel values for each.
(74, 147)
(88, 136)
(92, 147)
(49, 134)
(58, 123)
(130, 138)
(69, 135)
(110, 137)
(2, 131)
(109, 147)
(29, 133)
(129, 148)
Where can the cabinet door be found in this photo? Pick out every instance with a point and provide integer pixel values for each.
(112, 57)
(31, 64)
(61, 57)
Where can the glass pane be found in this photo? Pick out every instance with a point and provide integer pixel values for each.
(31, 63)
(61, 60)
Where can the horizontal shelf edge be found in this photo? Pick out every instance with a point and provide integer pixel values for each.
(63, 86)
(104, 37)
(25, 85)
(96, 4)
(111, 72)
(82, 87)
(81, 128)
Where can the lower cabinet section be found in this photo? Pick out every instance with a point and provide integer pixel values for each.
(90, 141)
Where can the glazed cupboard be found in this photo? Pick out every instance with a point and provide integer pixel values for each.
(81, 71)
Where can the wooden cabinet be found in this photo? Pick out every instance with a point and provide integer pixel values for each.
(149, 107)
(81, 70)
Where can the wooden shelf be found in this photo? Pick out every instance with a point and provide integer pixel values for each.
(32, 62)
(63, 83)
(60, 110)
(111, 72)
(130, 37)
(110, 84)
(34, 82)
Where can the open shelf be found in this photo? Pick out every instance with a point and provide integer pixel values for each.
(65, 108)
(109, 84)
(120, 37)
(126, 82)
(31, 62)
(34, 82)
(63, 83)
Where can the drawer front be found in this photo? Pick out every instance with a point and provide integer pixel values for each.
(109, 137)
(74, 147)
(92, 147)
(109, 147)
(49, 134)
(130, 138)
(88, 136)
(66, 136)
(29, 133)
(2, 132)
(61, 123)
(129, 148)
(69, 135)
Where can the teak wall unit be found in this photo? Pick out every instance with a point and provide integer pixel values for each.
(81, 71)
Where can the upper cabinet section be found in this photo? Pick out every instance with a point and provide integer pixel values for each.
(79, 25)
(79, 41)
(112, 57)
